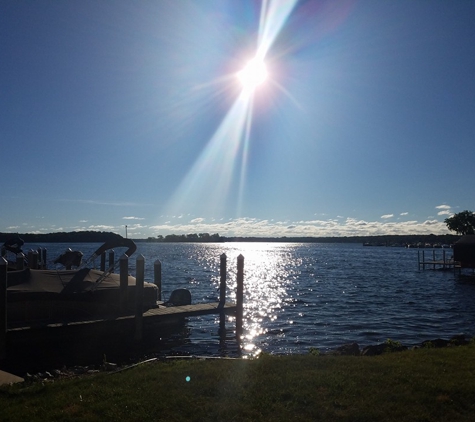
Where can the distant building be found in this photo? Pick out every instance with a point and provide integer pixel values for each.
(464, 251)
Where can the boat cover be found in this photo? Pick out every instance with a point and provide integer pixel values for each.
(62, 281)
(60, 291)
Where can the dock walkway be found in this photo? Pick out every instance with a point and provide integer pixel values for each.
(151, 316)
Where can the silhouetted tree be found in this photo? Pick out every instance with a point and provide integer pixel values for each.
(462, 222)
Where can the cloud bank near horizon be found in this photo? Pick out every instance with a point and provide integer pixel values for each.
(253, 227)
(388, 224)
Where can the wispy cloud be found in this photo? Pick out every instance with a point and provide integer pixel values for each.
(404, 213)
(444, 209)
(136, 227)
(101, 227)
(386, 216)
(133, 218)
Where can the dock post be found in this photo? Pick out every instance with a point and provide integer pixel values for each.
(139, 281)
(222, 279)
(40, 259)
(3, 308)
(103, 261)
(157, 277)
(124, 281)
(20, 261)
(423, 260)
(222, 294)
(239, 295)
(33, 260)
(43, 259)
(433, 258)
(111, 260)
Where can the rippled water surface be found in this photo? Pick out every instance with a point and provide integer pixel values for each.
(298, 296)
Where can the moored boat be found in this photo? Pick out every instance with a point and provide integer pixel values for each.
(35, 295)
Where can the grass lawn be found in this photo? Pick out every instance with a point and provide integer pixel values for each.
(420, 385)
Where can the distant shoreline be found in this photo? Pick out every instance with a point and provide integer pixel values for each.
(93, 236)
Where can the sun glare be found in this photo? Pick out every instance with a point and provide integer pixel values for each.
(225, 157)
(253, 74)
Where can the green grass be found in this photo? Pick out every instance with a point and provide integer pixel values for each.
(421, 385)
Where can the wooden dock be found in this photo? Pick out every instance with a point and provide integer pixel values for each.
(124, 327)
(114, 329)
(154, 316)
(437, 261)
(37, 346)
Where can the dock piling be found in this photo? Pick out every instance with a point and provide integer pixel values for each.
(43, 259)
(157, 277)
(40, 258)
(124, 281)
(222, 278)
(3, 308)
(33, 259)
(20, 261)
(239, 295)
(222, 293)
(111, 260)
(139, 285)
(103, 261)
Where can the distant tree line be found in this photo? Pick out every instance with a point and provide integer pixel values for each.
(99, 237)
(201, 237)
(383, 239)
(63, 237)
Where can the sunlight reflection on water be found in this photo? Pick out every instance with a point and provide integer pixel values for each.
(267, 272)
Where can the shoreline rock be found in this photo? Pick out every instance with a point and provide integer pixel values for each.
(390, 346)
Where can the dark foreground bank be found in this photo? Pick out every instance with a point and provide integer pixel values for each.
(427, 384)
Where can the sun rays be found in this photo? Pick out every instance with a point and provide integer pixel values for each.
(220, 171)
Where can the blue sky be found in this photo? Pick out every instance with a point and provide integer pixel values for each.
(117, 113)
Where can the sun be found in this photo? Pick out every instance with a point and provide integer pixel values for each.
(253, 74)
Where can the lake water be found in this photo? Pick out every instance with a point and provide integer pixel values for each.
(298, 296)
